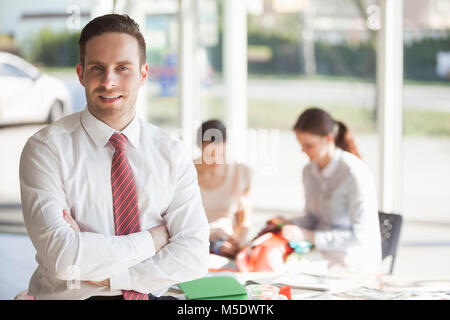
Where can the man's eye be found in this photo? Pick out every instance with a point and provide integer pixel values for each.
(96, 68)
(122, 68)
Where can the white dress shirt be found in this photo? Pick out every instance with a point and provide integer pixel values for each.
(67, 165)
(341, 206)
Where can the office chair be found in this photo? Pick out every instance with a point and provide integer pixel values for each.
(390, 226)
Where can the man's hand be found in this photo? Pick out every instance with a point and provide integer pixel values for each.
(160, 236)
(104, 283)
(70, 221)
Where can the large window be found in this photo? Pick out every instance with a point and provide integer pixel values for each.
(302, 54)
(161, 34)
(426, 113)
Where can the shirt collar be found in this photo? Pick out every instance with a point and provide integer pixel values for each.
(100, 132)
(332, 165)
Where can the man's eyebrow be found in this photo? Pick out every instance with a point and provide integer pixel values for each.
(94, 62)
(102, 64)
(124, 62)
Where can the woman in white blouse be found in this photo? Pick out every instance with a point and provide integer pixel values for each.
(340, 217)
(225, 189)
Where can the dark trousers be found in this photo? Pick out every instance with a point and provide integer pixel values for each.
(105, 298)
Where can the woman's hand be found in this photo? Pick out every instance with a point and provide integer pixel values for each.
(229, 248)
(268, 228)
(273, 225)
(294, 233)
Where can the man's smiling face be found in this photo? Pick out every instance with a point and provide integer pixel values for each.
(112, 75)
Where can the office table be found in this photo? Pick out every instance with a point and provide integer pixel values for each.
(342, 287)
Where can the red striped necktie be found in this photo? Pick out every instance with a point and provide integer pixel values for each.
(125, 204)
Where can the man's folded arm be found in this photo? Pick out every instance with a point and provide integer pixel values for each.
(186, 256)
(64, 252)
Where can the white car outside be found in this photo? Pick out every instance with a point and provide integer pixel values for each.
(27, 95)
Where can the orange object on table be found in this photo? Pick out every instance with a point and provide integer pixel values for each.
(286, 291)
(259, 255)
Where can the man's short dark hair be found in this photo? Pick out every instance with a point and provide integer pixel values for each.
(112, 23)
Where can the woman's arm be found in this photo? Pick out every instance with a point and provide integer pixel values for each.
(307, 220)
(242, 217)
(362, 211)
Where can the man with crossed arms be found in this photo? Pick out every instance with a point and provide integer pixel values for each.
(133, 221)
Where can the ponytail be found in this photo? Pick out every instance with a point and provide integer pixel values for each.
(319, 122)
(344, 139)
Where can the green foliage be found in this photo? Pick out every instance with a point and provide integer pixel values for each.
(285, 56)
(285, 27)
(52, 48)
(420, 57)
(345, 59)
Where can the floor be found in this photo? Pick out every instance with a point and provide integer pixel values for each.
(17, 266)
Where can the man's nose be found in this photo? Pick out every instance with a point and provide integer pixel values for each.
(109, 79)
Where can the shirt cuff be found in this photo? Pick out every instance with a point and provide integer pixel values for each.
(145, 248)
(121, 281)
(320, 240)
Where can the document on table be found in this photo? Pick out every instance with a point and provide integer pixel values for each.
(365, 293)
(312, 282)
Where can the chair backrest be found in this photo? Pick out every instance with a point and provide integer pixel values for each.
(390, 226)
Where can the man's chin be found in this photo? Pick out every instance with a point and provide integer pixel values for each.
(107, 109)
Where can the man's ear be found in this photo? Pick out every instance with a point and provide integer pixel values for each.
(144, 73)
(80, 70)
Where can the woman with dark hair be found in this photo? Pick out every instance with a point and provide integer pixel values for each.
(340, 216)
(225, 189)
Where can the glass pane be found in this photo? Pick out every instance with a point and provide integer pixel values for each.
(303, 54)
(426, 171)
(210, 14)
(161, 32)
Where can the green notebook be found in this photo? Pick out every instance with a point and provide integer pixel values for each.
(214, 288)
